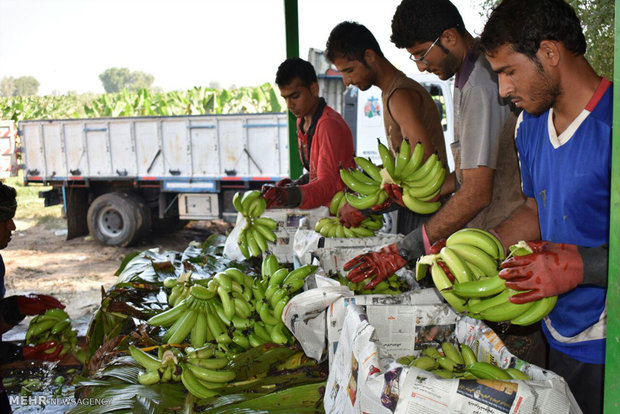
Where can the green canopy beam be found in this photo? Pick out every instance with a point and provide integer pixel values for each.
(292, 50)
(612, 360)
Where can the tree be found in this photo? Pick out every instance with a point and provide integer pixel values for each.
(597, 20)
(7, 86)
(26, 86)
(140, 80)
(115, 79)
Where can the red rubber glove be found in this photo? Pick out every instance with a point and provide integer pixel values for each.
(281, 197)
(437, 246)
(349, 216)
(38, 351)
(552, 269)
(284, 182)
(35, 304)
(381, 265)
(395, 193)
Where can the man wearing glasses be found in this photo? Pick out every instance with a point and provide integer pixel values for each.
(409, 110)
(486, 182)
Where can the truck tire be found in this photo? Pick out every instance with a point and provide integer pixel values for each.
(116, 219)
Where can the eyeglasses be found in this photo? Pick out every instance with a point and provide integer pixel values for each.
(421, 58)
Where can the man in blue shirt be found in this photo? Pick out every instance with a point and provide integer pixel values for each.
(563, 139)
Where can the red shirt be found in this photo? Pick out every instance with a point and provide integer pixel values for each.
(331, 146)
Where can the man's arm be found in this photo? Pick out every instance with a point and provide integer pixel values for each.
(522, 224)
(405, 109)
(474, 195)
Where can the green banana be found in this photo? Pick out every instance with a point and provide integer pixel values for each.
(356, 185)
(404, 153)
(415, 161)
(489, 302)
(277, 334)
(505, 311)
(418, 206)
(469, 357)
(266, 222)
(148, 361)
(441, 281)
(460, 272)
(211, 375)
(480, 288)
(248, 198)
(369, 168)
(484, 370)
(451, 352)
(187, 322)
(425, 362)
(335, 203)
(387, 159)
(431, 352)
(449, 364)
(148, 377)
(475, 238)
(539, 310)
(424, 169)
(193, 385)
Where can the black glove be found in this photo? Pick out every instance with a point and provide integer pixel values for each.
(281, 197)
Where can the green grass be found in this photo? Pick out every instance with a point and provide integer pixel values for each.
(30, 207)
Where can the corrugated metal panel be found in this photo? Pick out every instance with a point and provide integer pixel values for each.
(332, 89)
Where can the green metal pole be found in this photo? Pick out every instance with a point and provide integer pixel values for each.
(292, 50)
(612, 357)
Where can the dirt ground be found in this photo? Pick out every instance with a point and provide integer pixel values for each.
(39, 259)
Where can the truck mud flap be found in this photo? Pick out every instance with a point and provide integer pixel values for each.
(76, 209)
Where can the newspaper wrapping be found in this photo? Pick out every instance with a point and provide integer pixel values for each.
(363, 379)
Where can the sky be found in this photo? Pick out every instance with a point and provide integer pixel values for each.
(66, 44)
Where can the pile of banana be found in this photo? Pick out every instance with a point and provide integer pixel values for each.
(421, 181)
(450, 363)
(200, 370)
(393, 285)
(466, 273)
(53, 325)
(257, 231)
(234, 310)
(331, 226)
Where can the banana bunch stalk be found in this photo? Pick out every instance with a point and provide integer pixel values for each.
(466, 273)
(331, 226)
(393, 285)
(450, 363)
(258, 231)
(53, 325)
(234, 310)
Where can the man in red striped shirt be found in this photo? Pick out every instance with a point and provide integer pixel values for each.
(324, 138)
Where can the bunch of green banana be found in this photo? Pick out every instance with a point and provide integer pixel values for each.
(199, 369)
(450, 363)
(257, 231)
(53, 325)
(234, 310)
(332, 227)
(466, 273)
(393, 285)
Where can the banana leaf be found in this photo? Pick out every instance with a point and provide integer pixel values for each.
(300, 399)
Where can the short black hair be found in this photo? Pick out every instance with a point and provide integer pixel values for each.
(7, 193)
(293, 68)
(350, 40)
(419, 21)
(523, 24)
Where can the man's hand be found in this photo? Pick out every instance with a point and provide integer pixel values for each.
(35, 304)
(552, 269)
(349, 216)
(395, 193)
(380, 265)
(284, 182)
(38, 352)
(281, 197)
